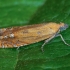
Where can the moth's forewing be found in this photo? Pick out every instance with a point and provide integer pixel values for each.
(24, 35)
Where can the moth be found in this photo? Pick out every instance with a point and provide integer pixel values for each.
(25, 35)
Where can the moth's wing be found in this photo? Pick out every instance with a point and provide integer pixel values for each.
(31, 35)
(26, 35)
(17, 42)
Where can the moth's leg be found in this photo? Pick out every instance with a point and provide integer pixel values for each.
(18, 48)
(46, 41)
(62, 39)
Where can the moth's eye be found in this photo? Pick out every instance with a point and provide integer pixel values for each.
(64, 27)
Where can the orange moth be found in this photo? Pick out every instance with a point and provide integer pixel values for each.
(25, 35)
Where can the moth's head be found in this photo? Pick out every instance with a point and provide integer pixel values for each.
(63, 26)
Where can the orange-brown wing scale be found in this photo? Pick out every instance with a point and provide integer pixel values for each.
(20, 36)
